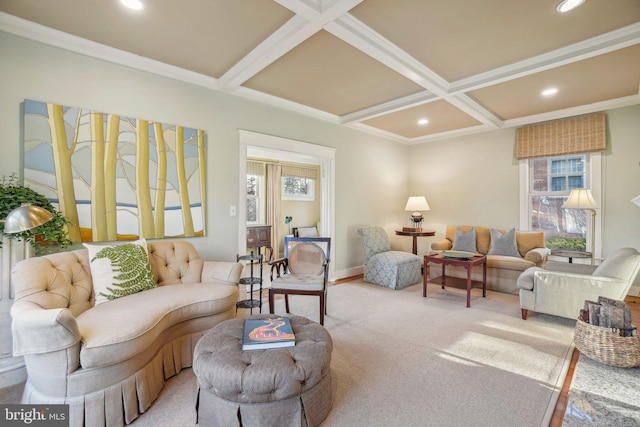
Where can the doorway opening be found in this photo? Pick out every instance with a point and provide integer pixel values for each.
(252, 144)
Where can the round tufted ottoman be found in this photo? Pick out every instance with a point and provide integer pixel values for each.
(275, 387)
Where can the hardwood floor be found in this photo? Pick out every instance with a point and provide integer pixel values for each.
(558, 414)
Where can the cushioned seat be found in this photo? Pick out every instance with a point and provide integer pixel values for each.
(276, 387)
(108, 339)
(509, 262)
(384, 267)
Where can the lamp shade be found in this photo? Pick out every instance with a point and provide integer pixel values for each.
(580, 198)
(416, 204)
(25, 218)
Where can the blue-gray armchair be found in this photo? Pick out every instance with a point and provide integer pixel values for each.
(384, 267)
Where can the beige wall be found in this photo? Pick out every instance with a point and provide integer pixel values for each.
(32, 70)
(471, 180)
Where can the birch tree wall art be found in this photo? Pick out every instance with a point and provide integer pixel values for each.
(113, 177)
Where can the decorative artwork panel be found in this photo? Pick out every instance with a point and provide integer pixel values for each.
(114, 177)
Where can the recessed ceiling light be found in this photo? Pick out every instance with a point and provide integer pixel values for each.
(132, 4)
(567, 5)
(423, 122)
(550, 91)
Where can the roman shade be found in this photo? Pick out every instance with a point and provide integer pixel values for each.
(300, 171)
(255, 168)
(561, 137)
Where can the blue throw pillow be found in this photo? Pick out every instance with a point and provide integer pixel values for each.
(465, 241)
(504, 244)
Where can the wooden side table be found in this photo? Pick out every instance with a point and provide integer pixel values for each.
(415, 235)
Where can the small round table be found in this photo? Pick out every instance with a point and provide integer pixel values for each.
(415, 235)
(570, 254)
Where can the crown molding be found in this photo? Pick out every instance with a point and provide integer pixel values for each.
(285, 104)
(379, 132)
(49, 36)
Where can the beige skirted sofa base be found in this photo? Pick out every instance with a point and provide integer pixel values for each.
(502, 271)
(109, 361)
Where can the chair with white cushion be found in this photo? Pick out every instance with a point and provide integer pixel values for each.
(384, 267)
(562, 291)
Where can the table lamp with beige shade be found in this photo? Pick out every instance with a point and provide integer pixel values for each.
(416, 204)
(581, 198)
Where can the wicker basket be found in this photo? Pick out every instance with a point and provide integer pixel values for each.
(607, 346)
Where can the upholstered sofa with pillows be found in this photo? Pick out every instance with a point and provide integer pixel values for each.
(106, 344)
(509, 253)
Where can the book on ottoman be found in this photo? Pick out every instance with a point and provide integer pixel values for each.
(274, 332)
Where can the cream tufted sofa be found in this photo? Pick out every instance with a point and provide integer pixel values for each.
(502, 271)
(110, 361)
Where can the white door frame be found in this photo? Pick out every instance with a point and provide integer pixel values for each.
(297, 151)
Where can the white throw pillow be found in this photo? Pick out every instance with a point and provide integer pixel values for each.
(119, 270)
(307, 231)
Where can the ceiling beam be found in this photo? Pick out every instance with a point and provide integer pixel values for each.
(362, 37)
(605, 43)
(390, 107)
(307, 21)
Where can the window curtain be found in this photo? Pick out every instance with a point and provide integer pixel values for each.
(562, 137)
(274, 175)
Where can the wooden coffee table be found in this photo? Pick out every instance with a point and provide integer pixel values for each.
(455, 281)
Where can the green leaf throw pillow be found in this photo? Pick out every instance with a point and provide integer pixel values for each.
(120, 270)
(504, 244)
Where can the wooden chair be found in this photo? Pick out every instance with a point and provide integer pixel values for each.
(302, 271)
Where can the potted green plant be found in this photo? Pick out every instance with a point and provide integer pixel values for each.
(43, 238)
(287, 220)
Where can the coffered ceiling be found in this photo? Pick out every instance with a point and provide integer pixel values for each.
(465, 66)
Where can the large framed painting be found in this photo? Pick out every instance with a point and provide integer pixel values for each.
(114, 177)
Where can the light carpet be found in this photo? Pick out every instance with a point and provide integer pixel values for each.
(403, 360)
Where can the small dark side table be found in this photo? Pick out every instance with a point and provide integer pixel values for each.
(415, 235)
(570, 254)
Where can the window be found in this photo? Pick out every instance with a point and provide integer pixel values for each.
(255, 199)
(550, 183)
(296, 188)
